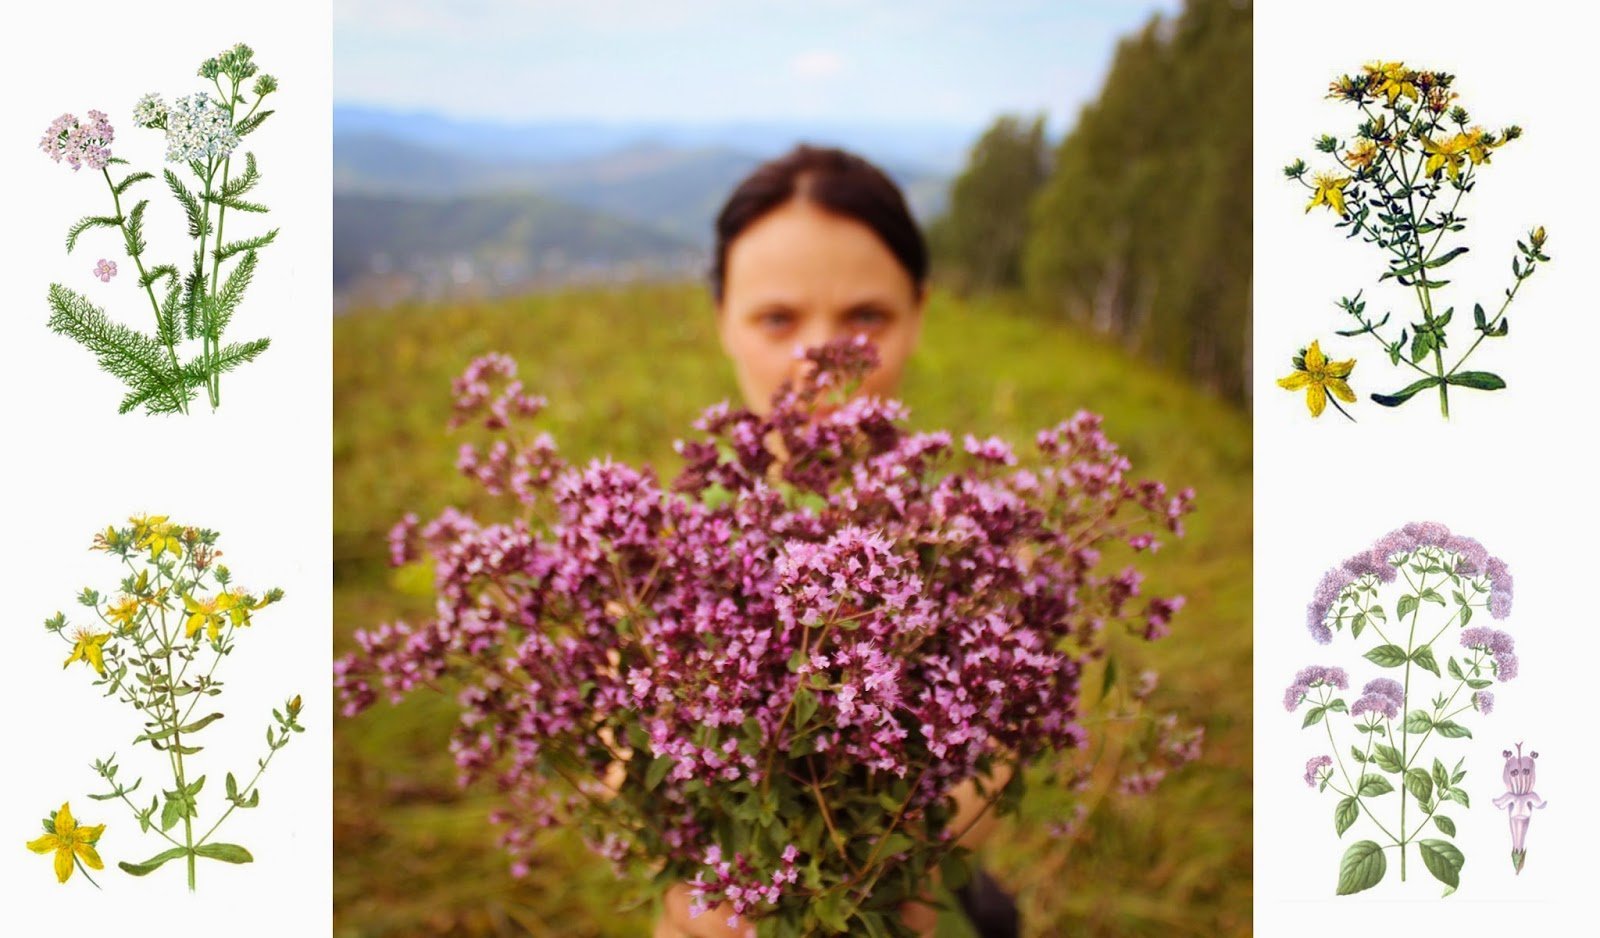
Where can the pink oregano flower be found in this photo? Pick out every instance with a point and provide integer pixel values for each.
(858, 626)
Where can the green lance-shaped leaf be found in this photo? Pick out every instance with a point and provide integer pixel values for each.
(1420, 784)
(151, 865)
(1405, 607)
(1443, 860)
(1362, 868)
(194, 291)
(128, 183)
(1445, 258)
(1452, 730)
(1445, 824)
(226, 359)
(1477, 380)
(200, 724)
(133, 232)
(90, 221)
(1345, 814)
(1373, 785)
(243, 182)
(1387, 656)
(1387, 758)
(248, 244)
(659, 766)
(238, 205)
(1406, 393)
(1313, 716)
(248, 125)
(227, 853)
(1424, 659)
(136, 359)
(219, 312)
(191, 205)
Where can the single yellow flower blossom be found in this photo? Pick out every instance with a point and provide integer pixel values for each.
(1330, 192)
(1479, 143)
(1362, 154)
(206, 614)
(90, 648)
(122, 612)
(1392, 79)
(1452, 154)
(69, 840)
(1321, 378)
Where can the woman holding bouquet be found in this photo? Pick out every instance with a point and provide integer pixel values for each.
(812, 247)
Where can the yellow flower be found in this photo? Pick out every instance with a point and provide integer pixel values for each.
(1453, 153)
(205, 613)
(89, 648)
(122, 612)
(1392, 79)
(1320, 378)
(68, 840)
(1362, 154)
(1330, 192)
(152, 532)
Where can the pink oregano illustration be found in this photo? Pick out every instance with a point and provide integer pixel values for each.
(1519, 800)
(1406, 592)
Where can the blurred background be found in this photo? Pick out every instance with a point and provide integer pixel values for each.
(541, 179)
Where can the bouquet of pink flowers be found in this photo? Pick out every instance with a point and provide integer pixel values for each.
(766, 677)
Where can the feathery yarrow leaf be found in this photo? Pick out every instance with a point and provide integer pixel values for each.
(136, 359)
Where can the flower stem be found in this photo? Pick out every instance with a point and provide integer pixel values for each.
(144, 278)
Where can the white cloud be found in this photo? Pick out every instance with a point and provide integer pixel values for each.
(818, 64)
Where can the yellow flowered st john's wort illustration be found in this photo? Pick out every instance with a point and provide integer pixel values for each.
(1397, 182)
(72, 843)
(155, 644)
(1321, 379)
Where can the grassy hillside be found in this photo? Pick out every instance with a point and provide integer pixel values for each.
(625, 372)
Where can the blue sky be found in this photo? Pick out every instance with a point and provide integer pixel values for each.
(710, 61)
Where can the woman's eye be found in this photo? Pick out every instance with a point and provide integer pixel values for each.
(775, 321)
(868, 318)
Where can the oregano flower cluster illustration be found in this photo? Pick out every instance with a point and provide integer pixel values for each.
(191, 302)
(156, 644)
(1411, 598)
(1398, 183)
(764, 677)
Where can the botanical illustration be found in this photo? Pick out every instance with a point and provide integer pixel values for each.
(1519, 800)
(1393, 758)
(1398, 183)
(193, 301)
(155, 644)
(764, 676)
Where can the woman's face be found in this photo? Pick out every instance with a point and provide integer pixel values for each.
(801, 276)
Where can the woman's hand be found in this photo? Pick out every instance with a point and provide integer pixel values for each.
(713, 923)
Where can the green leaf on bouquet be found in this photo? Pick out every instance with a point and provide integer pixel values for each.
(805, 704)
(227, 853)
(1387, 656)
(659, 766)
(1406, 393)
(1443, 860)
(1450, 729)
(1445, 824)
(1477, 380)
(1420, 784)
(1345, 814)
(1362, 868)
(1314, 715)
(154, 863)
(1424, 659)
(1374, 785)
(1387, 757)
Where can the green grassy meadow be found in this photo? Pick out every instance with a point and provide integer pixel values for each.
(625, 372)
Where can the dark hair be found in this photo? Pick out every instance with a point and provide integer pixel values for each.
(837, 181)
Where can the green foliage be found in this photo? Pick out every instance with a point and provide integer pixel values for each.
(625, 371)
(138, 360)
(1143, 231)
(977, 244)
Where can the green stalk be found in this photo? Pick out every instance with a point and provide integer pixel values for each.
(122, 224)
(213, 343)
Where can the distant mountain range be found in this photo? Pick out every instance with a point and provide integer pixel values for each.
(426, 204)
